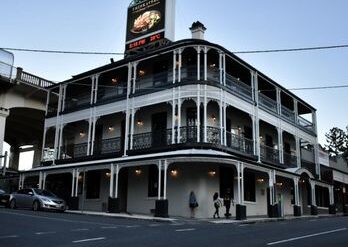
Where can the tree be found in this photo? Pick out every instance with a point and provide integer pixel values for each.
(337, 140)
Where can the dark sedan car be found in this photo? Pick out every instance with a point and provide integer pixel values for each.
(36, 199)
(4, 198)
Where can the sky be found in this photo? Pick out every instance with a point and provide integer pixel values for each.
(238, 25)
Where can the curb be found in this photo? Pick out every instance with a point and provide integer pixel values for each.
(256, 221)
(121, 216)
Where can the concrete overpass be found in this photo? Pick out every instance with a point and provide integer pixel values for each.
(23, 99)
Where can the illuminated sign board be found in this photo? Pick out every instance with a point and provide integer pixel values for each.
(149, 21)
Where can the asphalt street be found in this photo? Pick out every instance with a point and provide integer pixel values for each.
(28, 228)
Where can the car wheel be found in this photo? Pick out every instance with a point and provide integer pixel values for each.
(36, 206)
(13, 204)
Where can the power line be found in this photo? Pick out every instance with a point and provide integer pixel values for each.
(121, 53)
(63, 52)
(293, 49)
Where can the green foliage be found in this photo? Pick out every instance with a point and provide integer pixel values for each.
(337, 140)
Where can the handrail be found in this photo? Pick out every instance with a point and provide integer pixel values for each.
(240, 143)
(287, 113)
(238, 87)
(267, 102)
(33, 79)
(269, 154)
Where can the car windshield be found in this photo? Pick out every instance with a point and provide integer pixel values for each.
(44, 193)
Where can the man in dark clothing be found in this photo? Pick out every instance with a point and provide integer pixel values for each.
(227, 203)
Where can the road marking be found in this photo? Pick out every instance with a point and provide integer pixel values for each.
(44, 233)
(154, 225)
(185, 230)
(135, 226)
(109, 227)
(313, 220)
(307, 236)
(79, 230)
(88, 240)
(9, 236)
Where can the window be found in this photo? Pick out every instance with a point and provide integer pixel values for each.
(153, 181)
(249, 187)
(322, 196)
(93, 184)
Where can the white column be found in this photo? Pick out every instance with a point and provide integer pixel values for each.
(20, 181)
(73, 183)
(40, 180)
(224, 70)
(242, 182)
(94, 123)
(180, 65)
(92, 89)
(77, 174)
(296, 110)
(205, 63)
(132, 128)
(173, 119)
(313, 193)
(221, 68)
(279, 101)
(159, 179)
(3, 115)
(298, 151)
(117, 171)
(221, 117)
(112, 175)
(280, 145)
(174, 66)
(225, 120)
(44, 180)
(198, 63)
(126, 141)
(179, 118)
(271, 183)
(205, 105)
(89, 134)
(165, 166)
(198, 114)
(331, 195)
(96, 88)
(60, 140)
(296, 192)
(134, 77)
(239, 187)
(257, 138)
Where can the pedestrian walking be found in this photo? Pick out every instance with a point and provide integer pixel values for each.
(217, 205)
(193, 204)
(227, 203)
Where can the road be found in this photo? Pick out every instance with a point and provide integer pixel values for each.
(27, 228)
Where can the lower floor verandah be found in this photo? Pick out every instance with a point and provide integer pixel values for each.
(162, 186)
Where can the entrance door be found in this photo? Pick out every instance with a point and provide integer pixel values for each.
(123, 189)
(159, 129)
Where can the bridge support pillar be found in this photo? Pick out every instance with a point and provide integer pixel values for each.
(3, 115)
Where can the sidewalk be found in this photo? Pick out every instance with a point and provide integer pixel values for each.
(250, 220)
(122, 215)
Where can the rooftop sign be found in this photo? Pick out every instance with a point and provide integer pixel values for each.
(149, 21)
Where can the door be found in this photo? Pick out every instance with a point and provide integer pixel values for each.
(159, 129)
(28, 198)
(123, 188)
